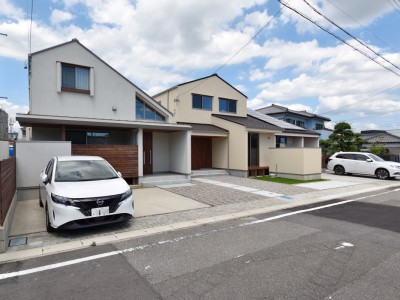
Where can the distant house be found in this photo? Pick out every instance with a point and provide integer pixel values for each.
(226, 135)
(388, 140)
(302, 119)
(3, 125)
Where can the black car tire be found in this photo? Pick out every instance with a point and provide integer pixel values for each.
(40, 198)
(339, 170)
(382, 174)
(48, 225)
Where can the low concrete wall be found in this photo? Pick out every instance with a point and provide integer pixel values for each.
(4, 150)
(296, 163)
(5, 229)
(32, 158)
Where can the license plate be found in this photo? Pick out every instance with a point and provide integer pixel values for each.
(100, 211)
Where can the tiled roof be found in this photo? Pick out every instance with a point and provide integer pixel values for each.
(274, 121)
(381, 138)
(204, 127)
(248, 122)
(277, 109)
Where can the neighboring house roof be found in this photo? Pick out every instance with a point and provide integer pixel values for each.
(206, 77)
(379, 137)
(204, 127)
(248, 122)
(274, 121)
(153, 102)
(277, 109)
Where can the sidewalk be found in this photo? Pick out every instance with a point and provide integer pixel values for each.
(341, 186)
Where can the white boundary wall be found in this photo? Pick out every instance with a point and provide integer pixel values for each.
(32, 157)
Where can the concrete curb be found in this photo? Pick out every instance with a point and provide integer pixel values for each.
(124, 236)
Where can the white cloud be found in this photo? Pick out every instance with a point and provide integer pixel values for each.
(257, 74)
(12, 109)
(59, 16)
(10, 11)
(343, 12)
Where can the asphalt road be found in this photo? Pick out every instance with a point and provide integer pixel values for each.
(345, 251)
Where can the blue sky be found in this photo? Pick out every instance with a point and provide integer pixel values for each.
(161, 43)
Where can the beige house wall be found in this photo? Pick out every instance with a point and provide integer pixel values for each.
(179, 100)
(237, 144)
(267, 141)
(302, 163)
(220, 152)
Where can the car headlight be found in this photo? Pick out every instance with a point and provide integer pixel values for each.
(62, 200)
(126, 195)
(395, 166)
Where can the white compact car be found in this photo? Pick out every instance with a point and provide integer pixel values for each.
(363, 163)
(83, 191)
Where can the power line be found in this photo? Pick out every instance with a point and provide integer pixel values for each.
(349, 34)
(30, 29)
(365, 99)
(395, 8)
(339, 38)
(365, 28)
(238, 51)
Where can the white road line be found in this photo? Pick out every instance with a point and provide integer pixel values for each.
(313, 208)
(112, 253)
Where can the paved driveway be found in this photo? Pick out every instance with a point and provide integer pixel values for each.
(221, 190)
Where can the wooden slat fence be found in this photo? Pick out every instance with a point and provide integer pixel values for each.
(124, 158)
(7, 185)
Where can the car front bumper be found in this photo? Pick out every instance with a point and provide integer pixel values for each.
(63, 216)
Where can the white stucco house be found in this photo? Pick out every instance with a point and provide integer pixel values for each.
(76, 96)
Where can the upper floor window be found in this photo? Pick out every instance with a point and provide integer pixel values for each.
(319, 126)
(300, 124)
(227, 105)
(75, 78)
(291, 121)
(145, 112)
(202, 102)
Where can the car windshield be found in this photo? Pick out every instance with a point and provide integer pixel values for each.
(84, 170)
(376, 158)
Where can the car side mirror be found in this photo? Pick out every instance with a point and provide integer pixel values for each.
(44, 178)
(369, 160)
(119, 174)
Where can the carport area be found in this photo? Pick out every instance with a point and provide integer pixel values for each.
(29, 217)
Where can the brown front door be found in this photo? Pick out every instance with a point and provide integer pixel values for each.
(147, 152)
(201, 152)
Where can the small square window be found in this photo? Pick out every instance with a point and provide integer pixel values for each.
(75, 78)
(227, 105)
(201, 102)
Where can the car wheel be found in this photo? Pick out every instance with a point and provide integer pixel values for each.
(40, 198)
(48, 225)
(339, 170)
(382, 174)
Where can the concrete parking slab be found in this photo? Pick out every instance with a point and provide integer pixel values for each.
(30, 218)
(156, 201)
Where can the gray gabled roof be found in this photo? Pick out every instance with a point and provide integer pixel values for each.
(274, 121)
(380, 137)
(206, 77)
(204, 127)
(248, 122)
(277, 109)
